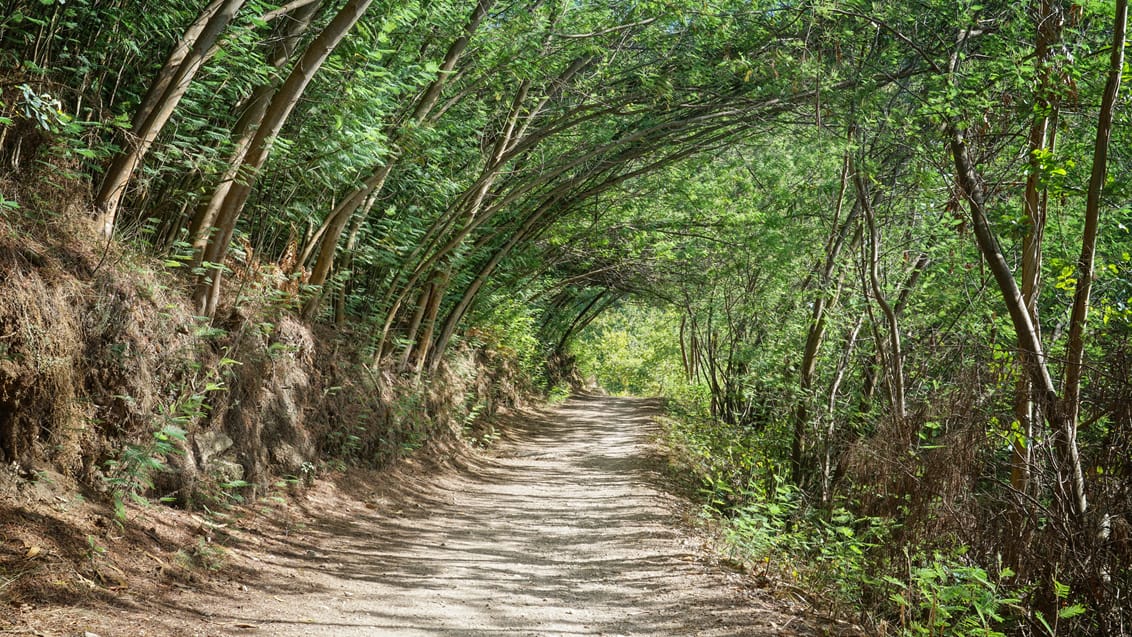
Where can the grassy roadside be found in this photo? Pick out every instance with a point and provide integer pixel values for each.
(850, 566)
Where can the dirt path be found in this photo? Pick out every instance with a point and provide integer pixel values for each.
(563, 532)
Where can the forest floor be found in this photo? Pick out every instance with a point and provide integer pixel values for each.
(564, 528)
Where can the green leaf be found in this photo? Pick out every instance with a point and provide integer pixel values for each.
(1061, 591)
(1071, 611)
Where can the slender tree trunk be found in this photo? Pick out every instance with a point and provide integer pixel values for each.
(439, 287)
(207, 293)
(454, 317)
(1085, 263)
(172, 82)
(602, 301)
(1075, 349)
(1070, 473)
(245, 129)
(415, 323)
(1049, 26)
(347, 265)
(327, 238)
(340, 216)
(894, 354)
(831, 410)
(816, 333)
(684, 348)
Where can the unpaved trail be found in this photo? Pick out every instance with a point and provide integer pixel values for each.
(561, 532)
(564, 533)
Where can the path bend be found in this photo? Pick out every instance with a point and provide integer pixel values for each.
(562, 532)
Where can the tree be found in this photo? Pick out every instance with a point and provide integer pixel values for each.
(1062, 408)
(196, 46)
(371, 187)
(207, 293)
(286, 39)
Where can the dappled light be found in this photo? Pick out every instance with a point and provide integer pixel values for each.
(828, 305)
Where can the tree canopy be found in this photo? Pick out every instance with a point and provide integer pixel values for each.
(886, 243)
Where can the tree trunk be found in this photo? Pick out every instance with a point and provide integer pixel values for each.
(249, 122)
(831, 410)
(340, 303)
(439, 287)
(1070, 474)
(457, 313)
(1075, 349)
(1085, 263)
(894, 355)
(329, 234)
(585, 317)
(1034, 206)
(172, 82)
(415, 323)
(817, 327)
(340, 216)
(207, 293)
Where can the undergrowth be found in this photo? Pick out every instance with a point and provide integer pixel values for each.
(847, 563)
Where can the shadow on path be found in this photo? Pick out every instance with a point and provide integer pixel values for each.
(561, 533)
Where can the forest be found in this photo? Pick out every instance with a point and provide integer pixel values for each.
(876, 257)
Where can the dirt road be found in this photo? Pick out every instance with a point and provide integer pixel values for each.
(563, 531)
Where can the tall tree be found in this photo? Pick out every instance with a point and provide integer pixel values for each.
(285, 40)
(165, 92)
(338, 218)
(207, 294)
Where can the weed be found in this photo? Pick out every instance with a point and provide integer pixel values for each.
(131, 473)
(557, 395)
(1067, 611)
(345, 443)
(202, 554)
(483, 439)
(94, 551)
(308, 472)
(947, 597)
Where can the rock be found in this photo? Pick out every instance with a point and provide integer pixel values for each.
(225, 470)
(211, 444)
(287, 458)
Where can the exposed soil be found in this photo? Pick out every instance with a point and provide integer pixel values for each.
(563, 529)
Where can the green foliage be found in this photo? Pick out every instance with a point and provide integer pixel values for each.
(770, 527)
(95, 551)
(130, 475)
(202, 554)
(507, 327)
(409, 428)
(345, 443)
(1065, 610)
(767, 523)
(654, 192)
(946, 597)
(557, 395)
(617, 361)
(42, 108)
(736, 465)
(632, 350)
(829, 553)
(8, 205)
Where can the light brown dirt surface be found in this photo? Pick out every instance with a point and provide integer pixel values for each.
(562, 530)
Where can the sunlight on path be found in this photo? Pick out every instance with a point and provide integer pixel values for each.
(560, 535)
